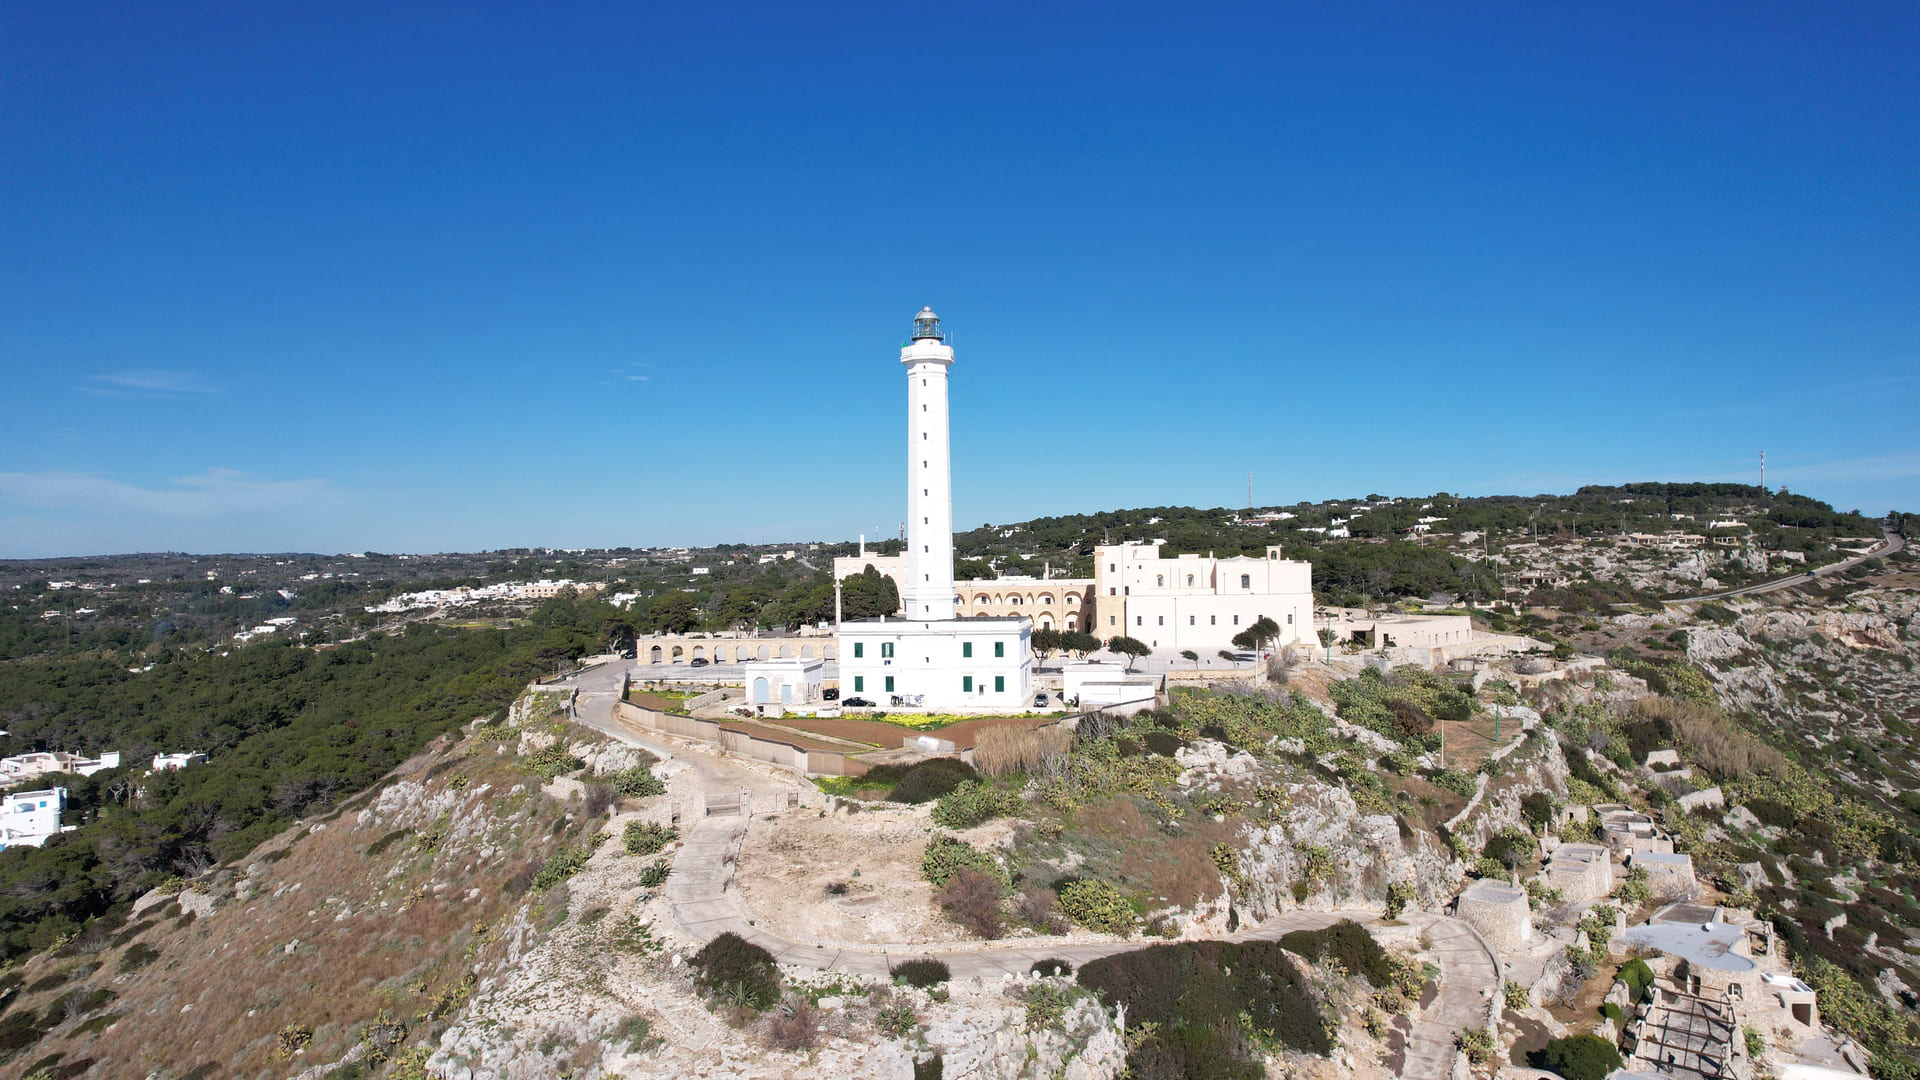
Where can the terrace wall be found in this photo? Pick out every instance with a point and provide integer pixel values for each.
(787, 755)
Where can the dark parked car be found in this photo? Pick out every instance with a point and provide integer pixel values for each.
(831, 693)
(1040, 701)
(858, 703)
(698, 661)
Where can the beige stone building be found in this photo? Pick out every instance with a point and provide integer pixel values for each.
(1051, 603)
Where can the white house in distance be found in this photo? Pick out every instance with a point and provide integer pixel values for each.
(929, 657)
(1095, 684)
(27, 818)
(1198, 601)
(787, 681)
(176, 762)
(21, 768)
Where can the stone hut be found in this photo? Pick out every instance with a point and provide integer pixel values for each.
(1498, 910)
(1669, 876)
(1582, 872)
(1631, 832)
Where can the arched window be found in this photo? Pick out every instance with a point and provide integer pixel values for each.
(1072, 599)
(1246, 581)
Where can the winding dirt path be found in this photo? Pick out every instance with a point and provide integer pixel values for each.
(704, 904)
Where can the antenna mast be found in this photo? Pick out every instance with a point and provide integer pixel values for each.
(1763, 470)
(1249, 491)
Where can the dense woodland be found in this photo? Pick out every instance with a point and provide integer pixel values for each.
(288, 731)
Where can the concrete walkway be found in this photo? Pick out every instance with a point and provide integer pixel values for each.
(704, 905)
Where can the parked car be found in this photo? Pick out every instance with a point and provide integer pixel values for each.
(858, 703)
(698, 661)
(831, 693)
(1040, 701)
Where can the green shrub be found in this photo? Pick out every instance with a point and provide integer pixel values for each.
(1537, 809)
(1399, 894)
(1613, 1012)
(562, 865)
(637, 782)
(736, 969)
(1454, 780)
(647, 837)
(1163, 743)
(1051, 966)
(137, 956)
(930, 779)
(897, 1020)
(971, 803)
(1098, 906)
(552, 762)
(1635, 889)
(947, 856)
(924, 973)
(1511, 847)
(1047, 1005)
(1477, 1043)
(1209, 1008)
(1348, 946)
(1581, 1057)
(654, 874)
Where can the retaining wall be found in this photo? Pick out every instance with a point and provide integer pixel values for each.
(785, 754)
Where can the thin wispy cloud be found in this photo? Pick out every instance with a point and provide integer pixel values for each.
(214, 493)
(148, 382)
(639, 378)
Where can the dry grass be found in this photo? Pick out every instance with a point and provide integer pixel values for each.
(795, 1025)
(973, 899)
(345, 939)
(1035, 751)
(1169, 871)
(1711, 740)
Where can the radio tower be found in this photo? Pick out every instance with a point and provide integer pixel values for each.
(1249, 491)
(1763, 470)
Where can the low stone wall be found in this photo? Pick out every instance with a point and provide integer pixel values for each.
(787, 755)
(703, 700)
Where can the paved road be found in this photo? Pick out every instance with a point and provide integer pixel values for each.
(1891, 543)
(704, 904)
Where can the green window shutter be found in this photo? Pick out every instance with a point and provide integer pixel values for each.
(859, 682)
(999, 684)
(859, 650)
(966, 648)
(889, 684)
(966, 684)
(999, 648)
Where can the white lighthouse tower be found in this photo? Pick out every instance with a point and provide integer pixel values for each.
(931, 657)
(927, 594)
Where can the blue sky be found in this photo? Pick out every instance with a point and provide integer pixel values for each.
(413, 277)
